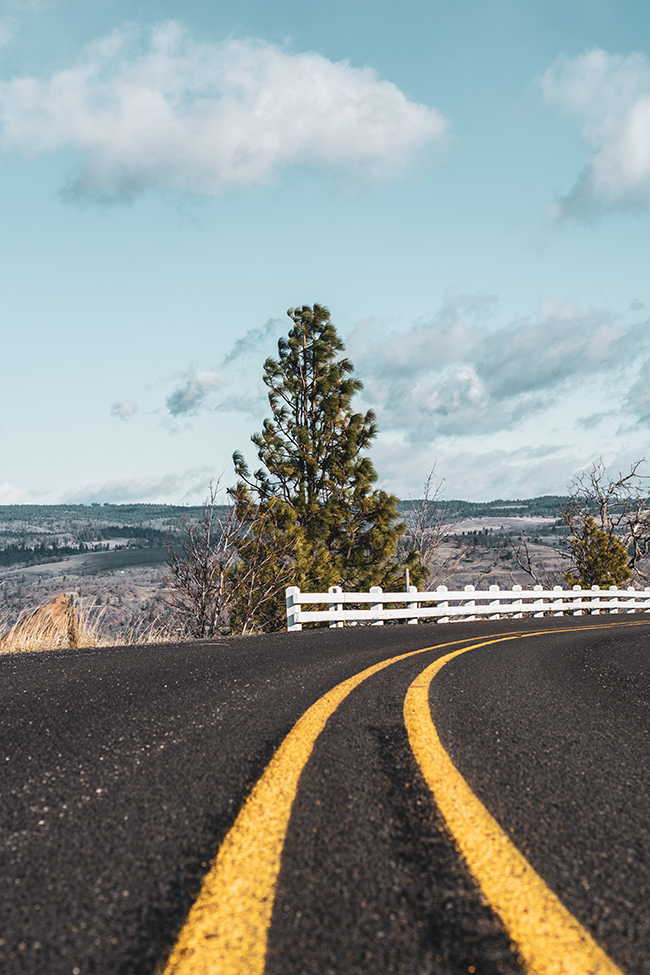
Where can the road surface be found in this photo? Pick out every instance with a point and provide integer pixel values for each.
(123, 770)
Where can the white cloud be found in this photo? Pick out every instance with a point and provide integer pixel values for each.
(460, 375)
(190, 486)
(205, 117)
(611, 94)
(189, 398)
(124, 408)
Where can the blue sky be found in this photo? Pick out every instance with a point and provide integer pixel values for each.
(465, 185)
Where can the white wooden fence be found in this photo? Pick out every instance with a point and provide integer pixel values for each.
(446, 606)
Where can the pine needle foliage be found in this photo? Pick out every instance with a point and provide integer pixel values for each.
(314, 462)
(271, 557)
(600, 558)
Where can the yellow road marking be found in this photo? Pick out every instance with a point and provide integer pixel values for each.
(226, 929)
(550, 940)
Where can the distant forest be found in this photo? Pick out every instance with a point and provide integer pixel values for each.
(547, 506)
(114, 514)
(138, 514)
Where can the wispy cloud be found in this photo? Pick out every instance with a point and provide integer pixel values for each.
(611, 94)
(190, 486)
(239, 391)
(459, 374)
(190, 397)
(252, 341)
(637, 401)
(125, 409)
(160, 109)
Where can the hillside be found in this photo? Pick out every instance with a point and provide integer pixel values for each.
(111, 556)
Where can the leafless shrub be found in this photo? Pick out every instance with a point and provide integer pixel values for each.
(201, 554)
(621, 503)
(430, 523)
(537, 571)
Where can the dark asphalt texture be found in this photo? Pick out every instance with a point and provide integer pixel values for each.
(556, 743)
(121, 770)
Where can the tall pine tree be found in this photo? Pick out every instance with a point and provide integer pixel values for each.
(312, 451)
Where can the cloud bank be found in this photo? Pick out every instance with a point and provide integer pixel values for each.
(12, 494)
(463, 374)
(190, 486)
(164, 110)
(611, 94)
(523, 472)
(458, 375)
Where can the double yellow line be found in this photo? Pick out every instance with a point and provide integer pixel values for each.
(549, 939)
(226, 930)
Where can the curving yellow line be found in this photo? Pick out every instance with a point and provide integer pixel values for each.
(550, 940)
(226, 929)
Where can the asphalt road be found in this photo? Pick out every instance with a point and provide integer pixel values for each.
(121, 771)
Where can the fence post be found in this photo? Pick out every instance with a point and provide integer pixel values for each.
(471, 603)
(630, 600)
(614, 608)
(577, 599)
(558, 602)
(594, 609)
(442, 606)
(495, 604)
(539, 602)
(517, 604)
(293, 609)
(335, 606)
(376, 607)
(413, 589)
(646, 603)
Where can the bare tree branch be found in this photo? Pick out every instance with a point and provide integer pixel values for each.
(430, 523)
(620, 502)
(201, 555)
(536, 570)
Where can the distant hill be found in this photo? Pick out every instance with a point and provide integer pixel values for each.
(547, 506)
(110, 514)
(163, 516)
(35, 534)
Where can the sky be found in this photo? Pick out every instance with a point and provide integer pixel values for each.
(466, 186)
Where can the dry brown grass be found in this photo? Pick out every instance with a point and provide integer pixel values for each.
(76, 627)
(36, 632)
(158, 631)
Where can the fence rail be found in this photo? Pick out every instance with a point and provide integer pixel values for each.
(446, 605)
